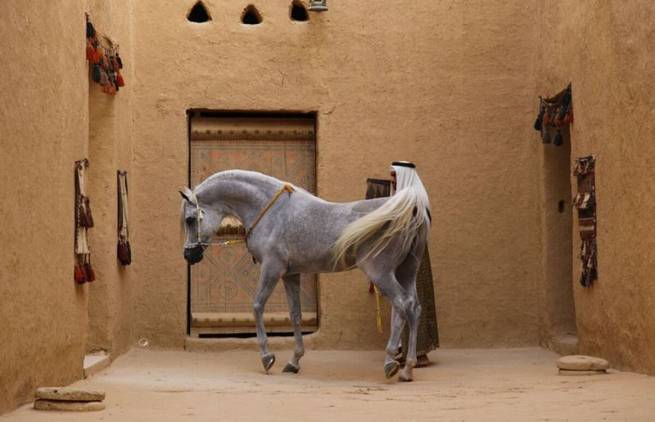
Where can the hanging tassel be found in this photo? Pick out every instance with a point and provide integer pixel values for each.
(538, 123)
(95, 73)
(546, 118)
(559, 140)
(558, 121)
(119, 79)
(90, 30)
(90, 52)
(118, 59)
(561, 115)
(104, 80)
(546, 137)
(90, 274)
(78, 274)
(96, 56)
(101, 57)
(568, 119)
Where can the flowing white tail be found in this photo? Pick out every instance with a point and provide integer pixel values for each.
(402, 215)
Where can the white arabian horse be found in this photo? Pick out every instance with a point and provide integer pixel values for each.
(290, 231)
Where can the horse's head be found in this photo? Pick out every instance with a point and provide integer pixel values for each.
(200, 223)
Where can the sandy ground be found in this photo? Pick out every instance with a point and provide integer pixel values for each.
(463, 385)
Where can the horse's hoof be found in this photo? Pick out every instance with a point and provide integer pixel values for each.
(268, 360)
(405, 375)
(291, 368)
(391, 369)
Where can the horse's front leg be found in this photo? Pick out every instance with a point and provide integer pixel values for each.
(268, 278)
(292, 287)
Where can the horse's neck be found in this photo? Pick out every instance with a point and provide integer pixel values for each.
(243, 196)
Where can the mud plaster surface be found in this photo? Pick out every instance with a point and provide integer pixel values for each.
(599, 50)
(490, 385)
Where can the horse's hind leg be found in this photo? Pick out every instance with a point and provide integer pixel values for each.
(267, 280)
(406, 276)
(292, 287)
(413, 313)
(391, 365)
(390, 287)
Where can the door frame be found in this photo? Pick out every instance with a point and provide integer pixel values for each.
(251, 114)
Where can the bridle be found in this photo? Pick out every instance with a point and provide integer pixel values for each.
(200, 214)
(286, 187)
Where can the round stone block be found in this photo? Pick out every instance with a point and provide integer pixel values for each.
(582, 363)
(68, 394)
(578, 373)
(69, 406)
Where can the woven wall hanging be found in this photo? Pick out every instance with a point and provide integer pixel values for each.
(585, 202)
(123, 248)
(555, 116)
(104, 59)
(83, 271)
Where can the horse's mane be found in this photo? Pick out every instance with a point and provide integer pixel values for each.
(244, 175)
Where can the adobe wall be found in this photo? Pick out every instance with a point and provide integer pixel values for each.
(110, 149)
(50, 119)
(432, 82)
(426, 81)
(44, 130)
(606, 50)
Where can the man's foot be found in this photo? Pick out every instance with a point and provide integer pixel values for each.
(422, 361)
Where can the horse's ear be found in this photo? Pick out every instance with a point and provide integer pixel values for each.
(187, 195)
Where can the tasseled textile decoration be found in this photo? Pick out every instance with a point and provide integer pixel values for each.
(104, 60)
(123, 249)
(554, 117)
(585, 202)
(83, 271)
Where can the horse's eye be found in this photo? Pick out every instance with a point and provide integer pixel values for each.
(190, 220)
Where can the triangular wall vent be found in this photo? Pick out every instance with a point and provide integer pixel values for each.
(198, 13)
(298, 12)
(251, 16)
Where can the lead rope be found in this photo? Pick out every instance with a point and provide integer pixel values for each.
(378, 312)
(285, 188)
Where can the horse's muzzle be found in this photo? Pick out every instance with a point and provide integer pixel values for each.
(193, 255)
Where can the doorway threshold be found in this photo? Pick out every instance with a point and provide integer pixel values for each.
(95, 362)
(195, 344)
(565, 344)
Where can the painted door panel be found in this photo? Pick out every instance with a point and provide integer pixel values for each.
(223, 284)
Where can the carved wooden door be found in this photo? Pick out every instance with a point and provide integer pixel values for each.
(223, 283)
